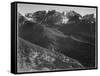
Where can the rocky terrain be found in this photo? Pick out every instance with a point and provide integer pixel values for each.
(32, 58)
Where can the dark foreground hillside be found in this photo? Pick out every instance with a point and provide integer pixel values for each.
(75, 45)
(31, 57)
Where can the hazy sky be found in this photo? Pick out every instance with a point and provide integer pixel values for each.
(30, 8)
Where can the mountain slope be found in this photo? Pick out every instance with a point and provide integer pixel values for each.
(74, 39)
(31, 57)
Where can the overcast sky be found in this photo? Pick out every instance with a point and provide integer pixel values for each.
(30, 8)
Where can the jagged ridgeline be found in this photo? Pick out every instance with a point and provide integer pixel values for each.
(51, 40)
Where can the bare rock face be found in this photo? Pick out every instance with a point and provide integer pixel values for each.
(31, 58)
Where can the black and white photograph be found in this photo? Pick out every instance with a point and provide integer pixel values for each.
(56, 37)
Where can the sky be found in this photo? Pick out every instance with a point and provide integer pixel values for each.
(31, 8)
